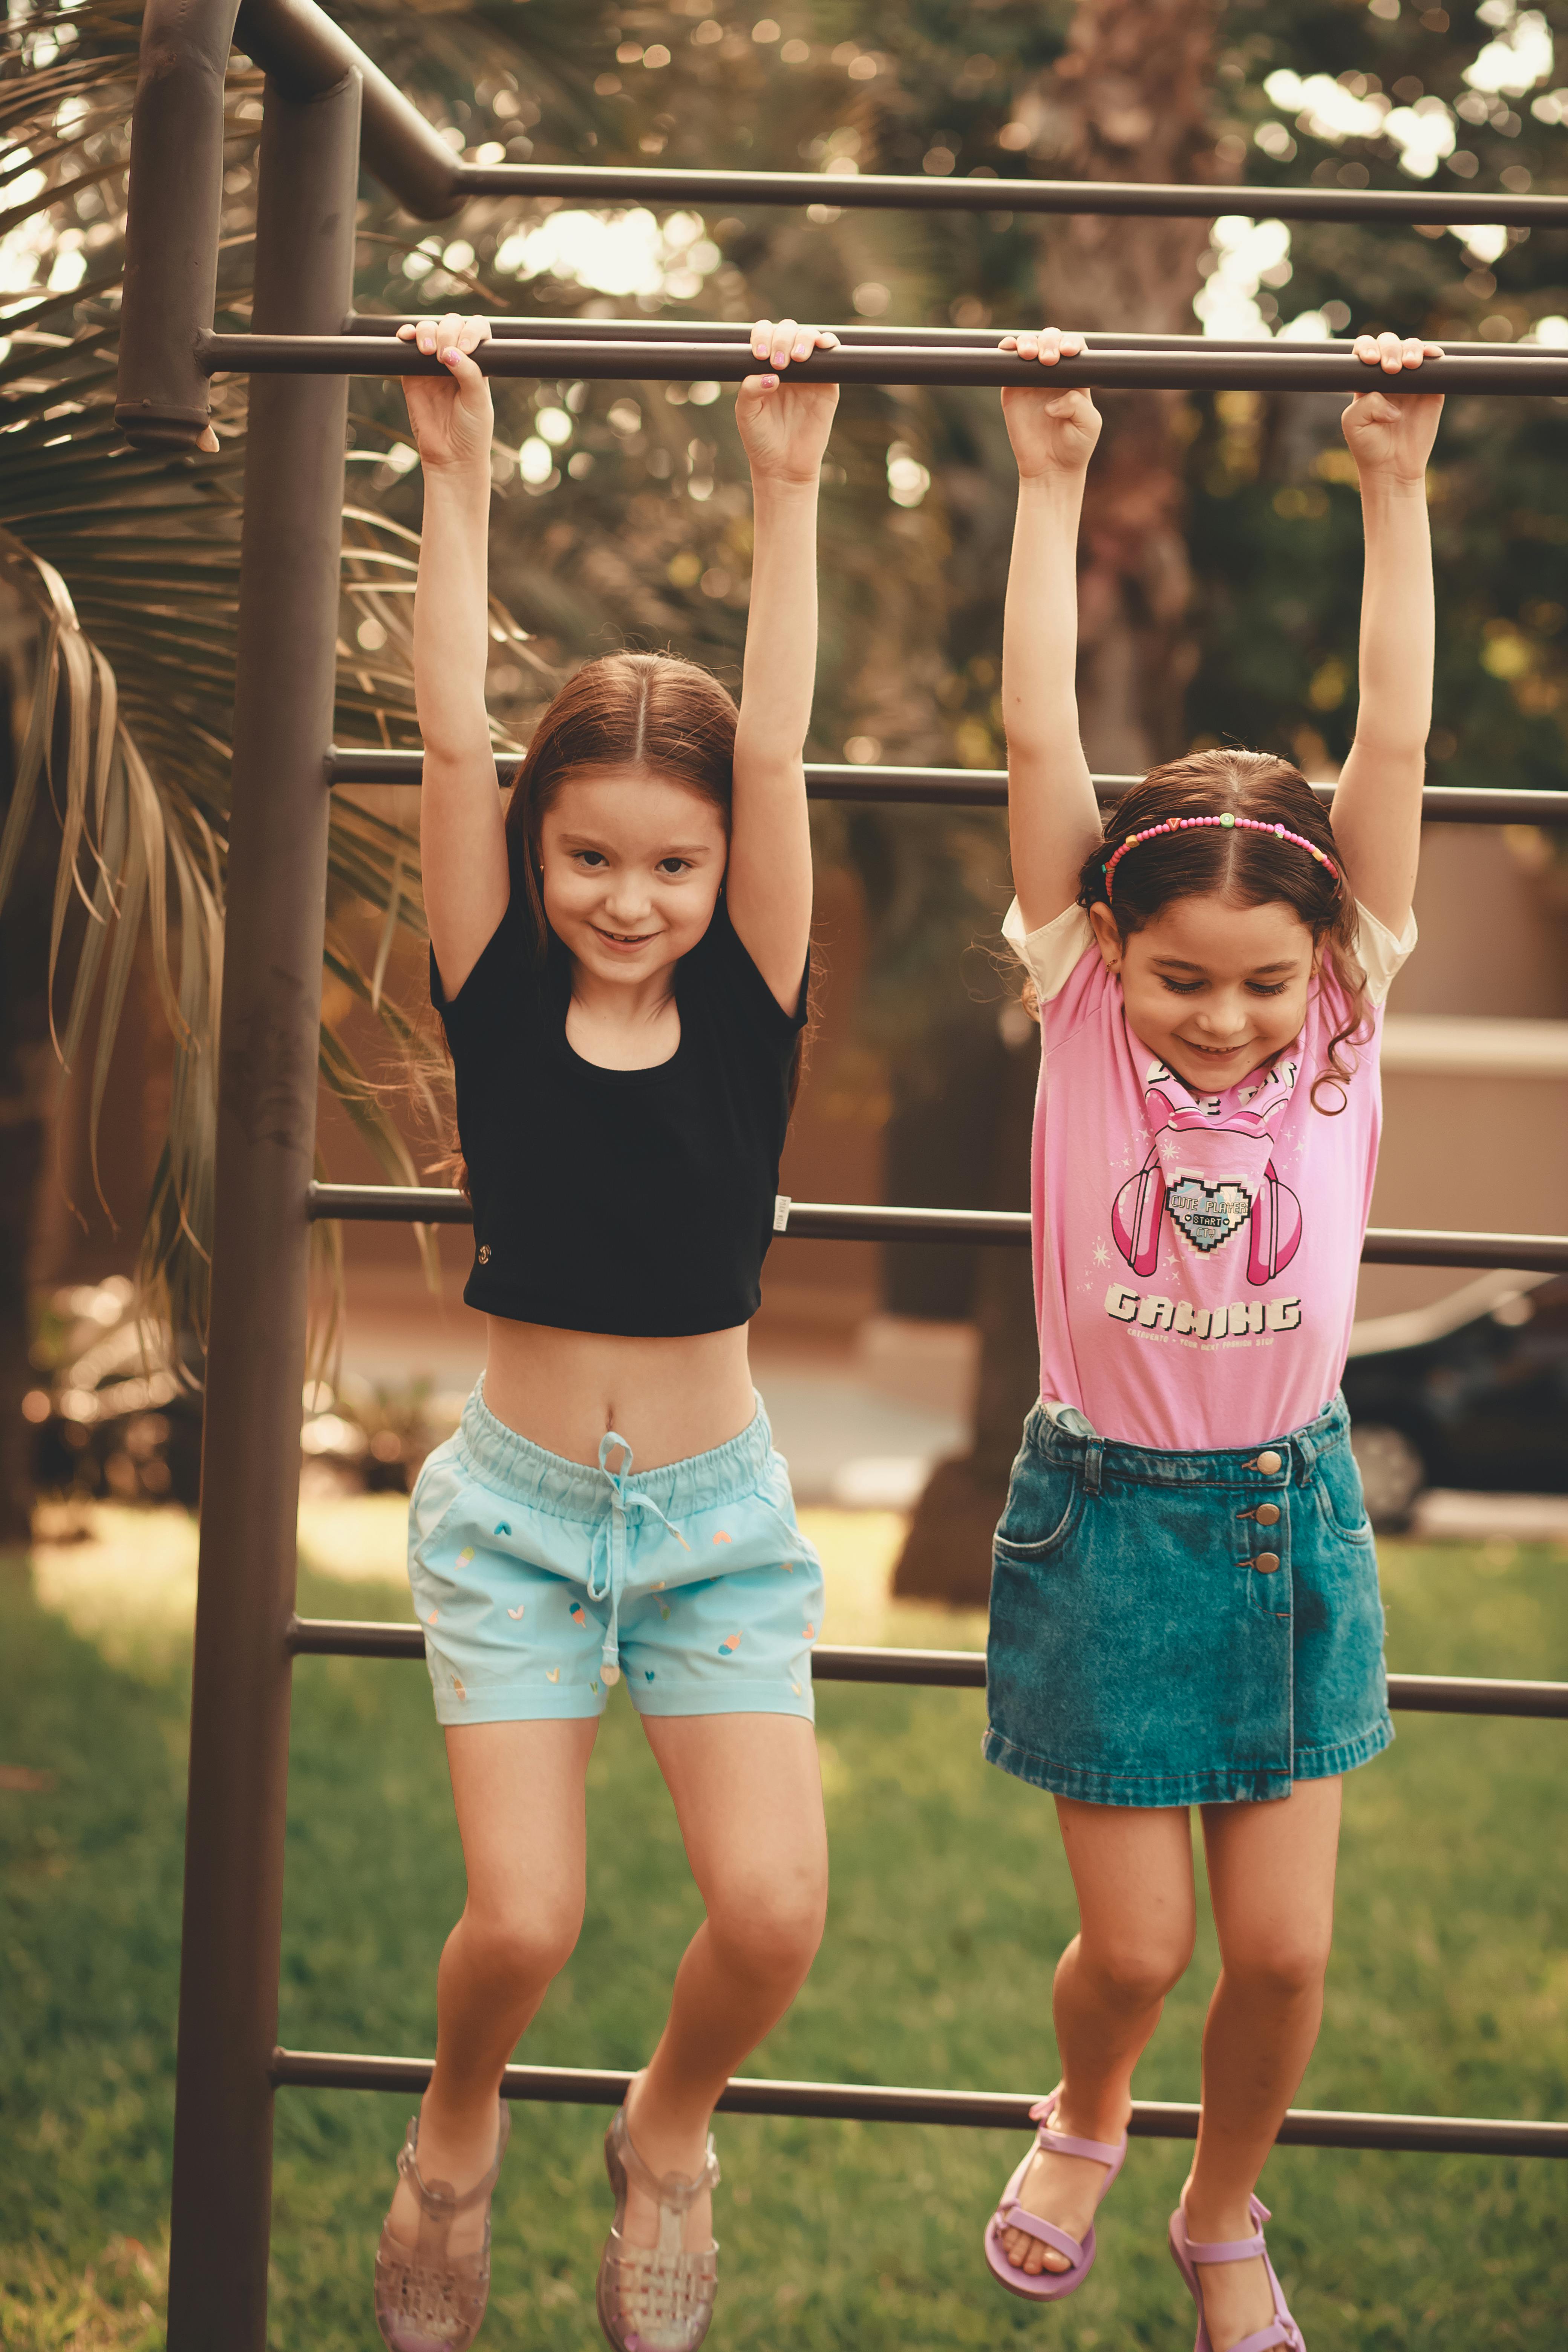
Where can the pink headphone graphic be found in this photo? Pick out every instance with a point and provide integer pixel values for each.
(1207, 1208)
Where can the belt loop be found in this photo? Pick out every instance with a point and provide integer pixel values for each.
(1093, 1461)
(1306, 1453)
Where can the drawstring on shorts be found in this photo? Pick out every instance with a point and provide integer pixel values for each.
(613, 1582)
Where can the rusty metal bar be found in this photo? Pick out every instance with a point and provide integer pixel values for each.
(596, 2086)
(1264, 367)
(835, 780)
(589, 184)
(353, 1637)
(868, 1221)
(286, 676)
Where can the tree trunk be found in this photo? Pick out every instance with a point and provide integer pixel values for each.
(1127, 100)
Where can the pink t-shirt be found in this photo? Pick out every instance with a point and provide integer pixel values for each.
(1195, 1255)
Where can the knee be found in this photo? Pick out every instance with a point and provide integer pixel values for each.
(770, 1933)
(1135, 1974)
(523, 1947)
(1284, 1967)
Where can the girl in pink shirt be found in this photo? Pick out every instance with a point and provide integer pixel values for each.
(1184, 1606)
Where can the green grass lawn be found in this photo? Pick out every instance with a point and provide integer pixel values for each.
(1448, 1993)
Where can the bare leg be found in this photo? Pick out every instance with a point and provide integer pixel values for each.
(748, 1793)
(519, 1789)
(1271, 1879)
(1133, 1871)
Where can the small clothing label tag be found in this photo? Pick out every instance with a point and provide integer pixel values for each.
(781, 1205)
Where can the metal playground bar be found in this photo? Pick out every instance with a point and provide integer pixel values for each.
(327, 110)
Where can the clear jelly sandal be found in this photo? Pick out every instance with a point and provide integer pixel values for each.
(428, 2299)
(654, 2298)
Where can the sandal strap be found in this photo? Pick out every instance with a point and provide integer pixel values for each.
(668, 2188)
(438, 2199)
(1018, 2217)
(1232, 2250)
(1227, 2250)
(1100, 2151)
(1264, 2340)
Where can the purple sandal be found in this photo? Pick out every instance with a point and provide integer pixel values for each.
(1281, 2329)
(1046, 2287)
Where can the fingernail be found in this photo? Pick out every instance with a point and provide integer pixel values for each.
(770, 381)
(448, 356)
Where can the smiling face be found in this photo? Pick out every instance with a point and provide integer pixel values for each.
(1215, 988)
(632, 866)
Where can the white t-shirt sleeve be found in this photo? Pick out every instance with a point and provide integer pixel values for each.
(1380, 953)
(1051, 954)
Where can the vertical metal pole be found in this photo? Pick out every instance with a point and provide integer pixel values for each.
(172, 220)
(266, 1138)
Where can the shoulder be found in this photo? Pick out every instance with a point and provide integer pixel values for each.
(505, 974)
(719, 970)
(1380, 953)
(1071, 983)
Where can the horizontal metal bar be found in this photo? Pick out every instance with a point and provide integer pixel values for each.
(855, 332)
(1272, 367)
(594, 2087)
(835, 780)
(591, 184)
(835, 1662)
(867, 1221)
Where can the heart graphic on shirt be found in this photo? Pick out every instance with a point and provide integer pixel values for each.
(722, 1537)
(1207, 1214)
(553, 1673)
(515, 1613)
(502, 1527)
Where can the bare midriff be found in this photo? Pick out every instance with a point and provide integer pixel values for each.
(670, 1399)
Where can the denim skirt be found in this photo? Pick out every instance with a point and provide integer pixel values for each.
(1184, 1628)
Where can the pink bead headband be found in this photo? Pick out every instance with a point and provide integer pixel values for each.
(1185, 824)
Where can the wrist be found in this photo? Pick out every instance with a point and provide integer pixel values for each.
(1384, 484)
(1061, 484)
(458, 477)
(790, 487)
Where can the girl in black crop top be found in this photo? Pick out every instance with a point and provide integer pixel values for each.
(619, 958)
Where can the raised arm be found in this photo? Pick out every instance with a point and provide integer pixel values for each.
(784, 430)
(1053, 817)
(462, 839)
(1377, 802)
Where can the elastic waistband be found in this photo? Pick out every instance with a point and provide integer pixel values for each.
(1107, 1457)
(525, 1473)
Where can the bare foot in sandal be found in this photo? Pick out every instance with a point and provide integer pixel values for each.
(1065, 2189)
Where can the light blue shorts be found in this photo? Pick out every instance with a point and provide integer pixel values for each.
(538, 1582)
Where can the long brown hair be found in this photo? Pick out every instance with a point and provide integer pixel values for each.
(1215, 861)
(641, 715)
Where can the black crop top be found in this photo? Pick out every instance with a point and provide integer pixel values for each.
(626, 1201)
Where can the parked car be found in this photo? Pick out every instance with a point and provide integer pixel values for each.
(1472, 1392)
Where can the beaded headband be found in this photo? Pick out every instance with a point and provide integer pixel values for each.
(1185, 824)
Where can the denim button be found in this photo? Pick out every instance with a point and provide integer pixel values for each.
(1266, 1513)
(1268, 1462)
(1267, 1562)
